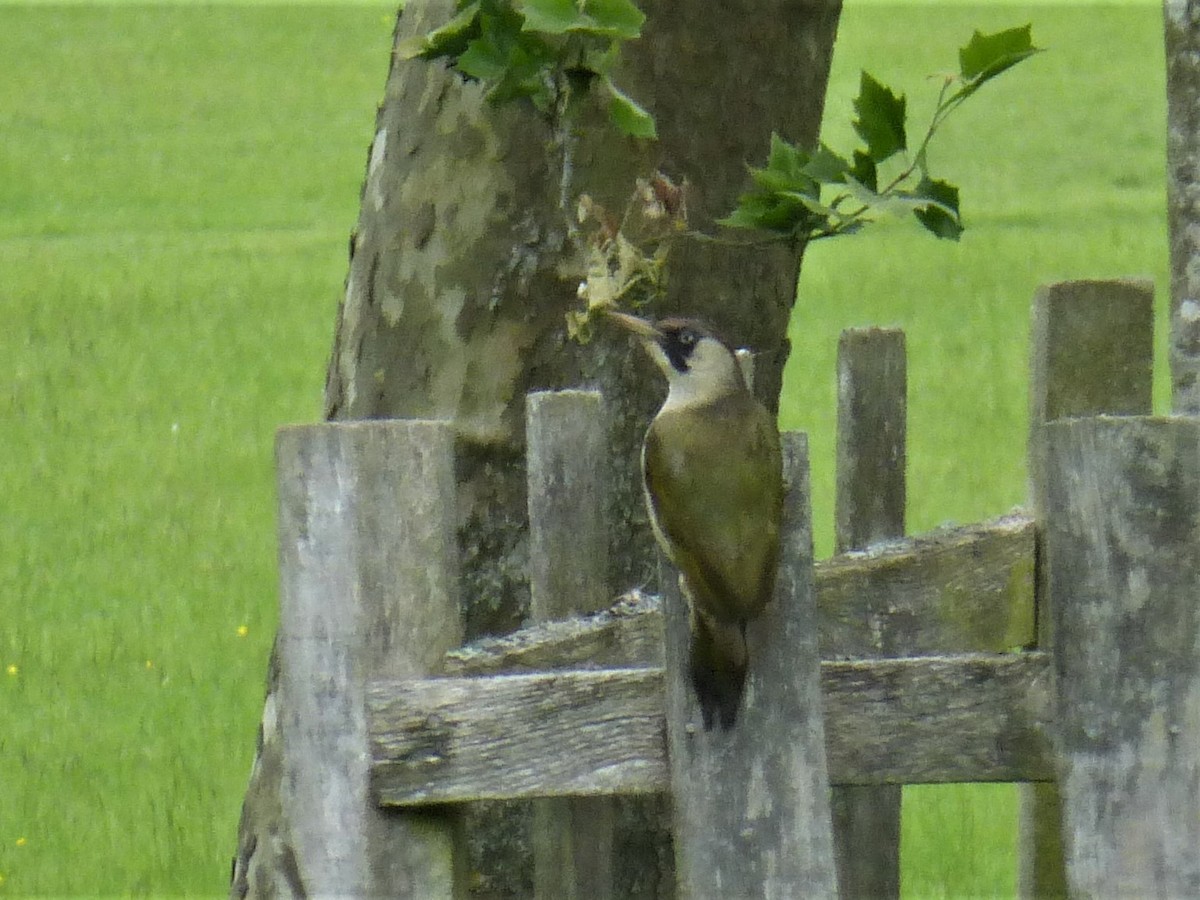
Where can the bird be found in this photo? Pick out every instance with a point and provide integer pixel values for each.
(712, 473)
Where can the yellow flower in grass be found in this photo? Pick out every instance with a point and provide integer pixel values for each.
(12, 670)
(243, 630)
(21, 842)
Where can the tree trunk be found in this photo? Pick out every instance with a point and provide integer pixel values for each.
(460, 279)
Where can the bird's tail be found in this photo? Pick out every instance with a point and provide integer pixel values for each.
(719, 659)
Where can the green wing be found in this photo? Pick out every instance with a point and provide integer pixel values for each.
(715, 490)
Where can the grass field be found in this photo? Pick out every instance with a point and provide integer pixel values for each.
(177, 184)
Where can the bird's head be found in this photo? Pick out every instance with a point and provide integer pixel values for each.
(699, 366)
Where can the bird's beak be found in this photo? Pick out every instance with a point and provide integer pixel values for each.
(641, 327)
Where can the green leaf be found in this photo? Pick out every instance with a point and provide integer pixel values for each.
(601, 60)
(892, 202)
(775, 180)
(788, 195)
(551, 16)
(768, 212)
(747, 213)
(941, 216)
(628, 115)
(484, 60)
(449, 40)
(524, 76)
(494, 55)
(863, 171)
(865, 195)
(787, 160)
(987, 55)
(826, 167)
(824, 216)
(511, 62)
(881, 118)
(785, 169)
(616, 19)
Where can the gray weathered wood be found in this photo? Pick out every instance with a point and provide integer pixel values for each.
(368, 561)
(964, 589)
(627, 634)
(1091, 352)
(954, 590)
(1181, 19)
(939, 719)
(568, 487)
(751, 803)
(568, 484)
(872, 378)
(1123, 552)
(513, 736)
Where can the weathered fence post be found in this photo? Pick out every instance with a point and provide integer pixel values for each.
(751, 805)
(368, 586)
(870, 507)
(1122, 543)
(1181, 20)
(1091, 352)
(872, 373)
(567, 459)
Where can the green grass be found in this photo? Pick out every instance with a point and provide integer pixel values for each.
(176, 189)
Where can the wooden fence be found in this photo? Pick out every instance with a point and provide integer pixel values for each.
(952, 656)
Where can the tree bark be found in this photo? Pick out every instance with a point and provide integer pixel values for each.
(461, 273)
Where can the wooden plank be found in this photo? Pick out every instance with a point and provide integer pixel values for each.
(518, 736)
(954, 590)
(628, 634)
(978, 717)
(567, 463)
(1123, 553)
(568, 488)
(967, 589)
(368, 560)
(872, 378)
(940, 719)
(872, 382)
(1091, 352)
(751, 803)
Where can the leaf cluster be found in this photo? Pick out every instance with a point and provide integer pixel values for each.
(625, 259)
(804, 195)
(543, 50)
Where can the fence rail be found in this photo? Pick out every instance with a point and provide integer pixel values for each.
(935, 719)
(957, 589)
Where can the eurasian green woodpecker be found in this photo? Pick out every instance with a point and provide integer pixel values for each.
(712, 472)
